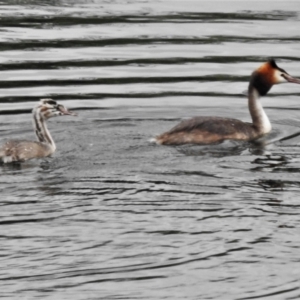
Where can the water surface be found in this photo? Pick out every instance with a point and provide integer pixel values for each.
(111, 216)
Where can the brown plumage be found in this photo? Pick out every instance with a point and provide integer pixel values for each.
(17, 150)
(206, 130)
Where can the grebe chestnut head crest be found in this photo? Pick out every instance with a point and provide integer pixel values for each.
(268, 74)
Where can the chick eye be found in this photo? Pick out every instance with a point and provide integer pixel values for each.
(52, 102)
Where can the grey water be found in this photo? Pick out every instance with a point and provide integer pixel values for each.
(112, 216)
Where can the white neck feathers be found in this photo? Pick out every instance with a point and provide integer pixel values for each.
(259, 118)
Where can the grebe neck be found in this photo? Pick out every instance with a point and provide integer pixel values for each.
(260, 120)
(41, 130)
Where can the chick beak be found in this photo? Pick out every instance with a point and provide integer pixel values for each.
(64, 111)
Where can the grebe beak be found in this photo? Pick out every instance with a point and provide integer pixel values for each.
(64, 111)
(289, 78)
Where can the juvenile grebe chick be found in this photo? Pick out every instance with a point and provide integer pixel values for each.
(20, 150)
(210, 130)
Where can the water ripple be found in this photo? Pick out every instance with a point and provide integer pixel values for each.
(110, 216)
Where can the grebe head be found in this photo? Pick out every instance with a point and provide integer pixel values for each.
(269, 74)
(48, 108)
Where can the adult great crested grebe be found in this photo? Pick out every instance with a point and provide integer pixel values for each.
(210, 130)
(20, 150)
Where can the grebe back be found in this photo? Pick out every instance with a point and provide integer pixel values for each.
(21, 150)
(210, 130)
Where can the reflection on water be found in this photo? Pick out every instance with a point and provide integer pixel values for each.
(227, 148)
(111, 214)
